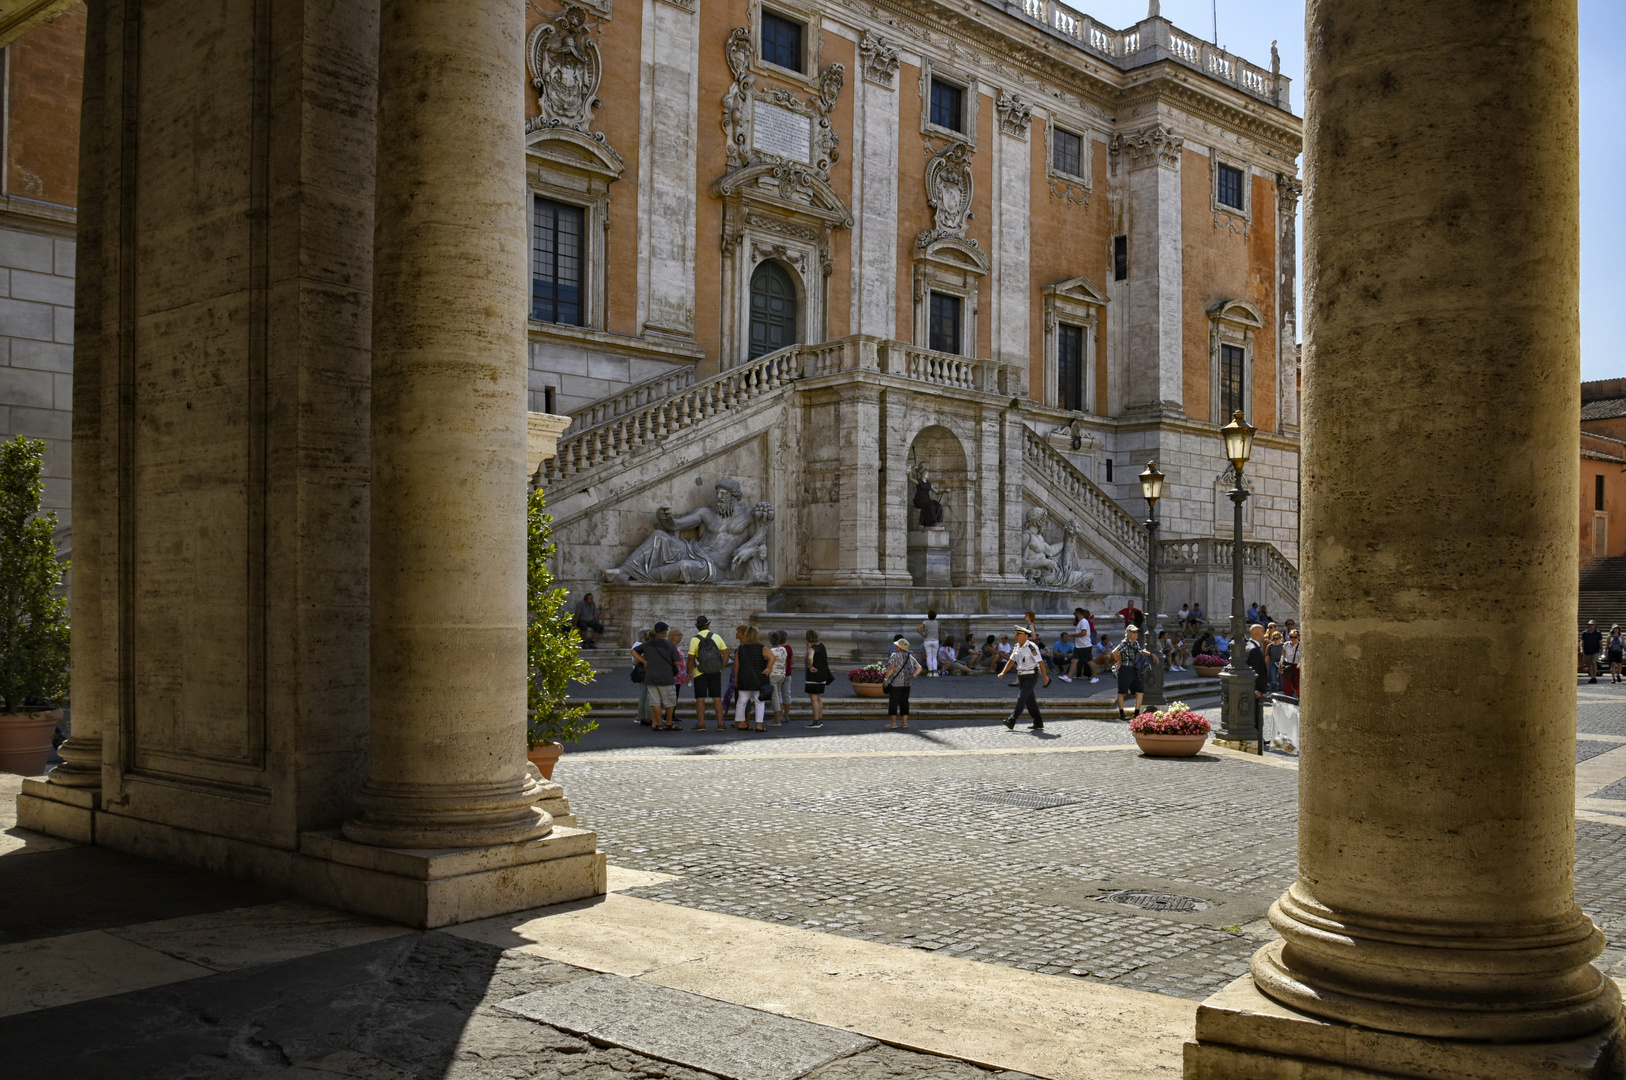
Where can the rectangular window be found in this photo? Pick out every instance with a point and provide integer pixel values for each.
(1230, 186)
(1597, 494)
(556, 262)
(1231, 357)
(781, 41)
(947, 105)
(1066, 152)
(1109, 470)
(1120, 258)
(944, 323)
(548, 400)
(1070, 367)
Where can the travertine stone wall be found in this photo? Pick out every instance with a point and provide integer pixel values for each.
(36, 344)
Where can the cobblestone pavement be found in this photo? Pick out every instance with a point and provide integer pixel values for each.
(909, 849)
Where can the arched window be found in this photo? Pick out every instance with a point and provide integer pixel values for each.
(773, 310)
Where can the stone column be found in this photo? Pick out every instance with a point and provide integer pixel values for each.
(82, 752)
(447, 765)
(1435, 895)
(1012, 299)
(1156, 364)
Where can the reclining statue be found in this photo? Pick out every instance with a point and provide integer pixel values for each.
(732, 546)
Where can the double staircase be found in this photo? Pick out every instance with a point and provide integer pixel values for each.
(1603, 593)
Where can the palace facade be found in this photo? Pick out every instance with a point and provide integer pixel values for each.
(816, 246)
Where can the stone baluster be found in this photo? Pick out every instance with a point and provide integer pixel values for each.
(446, 761)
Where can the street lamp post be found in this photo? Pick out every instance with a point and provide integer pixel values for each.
(1151, 489)
(1239, 713)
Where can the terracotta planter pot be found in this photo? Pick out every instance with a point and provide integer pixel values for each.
(545, 756)
(869, 689)
(25, 740)
(1170, 745)
(1208, 672)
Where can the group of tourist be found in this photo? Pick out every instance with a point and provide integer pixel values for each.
(759, 673)
(1613, 649)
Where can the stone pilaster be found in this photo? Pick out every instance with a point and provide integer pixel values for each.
(875, 181)
(1433, 929)
(447, 765)
(1288, 190)
(668, 140)
(1013, 297)
(859, 546)
(1155, 362)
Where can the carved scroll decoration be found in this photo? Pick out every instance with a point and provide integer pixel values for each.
(565, 71)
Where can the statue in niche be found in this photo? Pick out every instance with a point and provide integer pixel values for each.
(931, 510)
(1054, 566)
(731, 548)
(565, 70)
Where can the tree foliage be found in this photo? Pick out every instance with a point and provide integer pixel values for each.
(553, 648)
(33, 618)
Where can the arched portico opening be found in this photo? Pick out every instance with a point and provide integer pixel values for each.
(940, 453)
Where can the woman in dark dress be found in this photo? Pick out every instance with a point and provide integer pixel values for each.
(818, 676)
(751, 663)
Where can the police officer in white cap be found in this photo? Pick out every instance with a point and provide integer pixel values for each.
(1029, 665)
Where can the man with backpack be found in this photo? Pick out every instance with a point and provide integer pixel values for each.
(708, 656)
(659, 658)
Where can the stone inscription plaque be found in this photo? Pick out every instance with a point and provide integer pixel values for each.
(780, 131)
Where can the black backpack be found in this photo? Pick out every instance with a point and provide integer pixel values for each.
(708, 655)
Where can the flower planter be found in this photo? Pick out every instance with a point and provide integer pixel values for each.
(1208, 672)
(25, 740)
(1170, 745)
(545, 756)
(869, 689)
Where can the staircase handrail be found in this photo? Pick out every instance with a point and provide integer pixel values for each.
(1208, 551)
(1110, 521)
(638, 394)
(639, 427)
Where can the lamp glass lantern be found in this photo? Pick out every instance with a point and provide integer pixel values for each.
(1151, 484)
(1238, 435)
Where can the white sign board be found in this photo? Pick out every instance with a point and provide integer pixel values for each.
(778, 130)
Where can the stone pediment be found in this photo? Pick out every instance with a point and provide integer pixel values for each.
(957, 251)
(566, 146)
(1237, 311)
(787, 187)
(1081, 289)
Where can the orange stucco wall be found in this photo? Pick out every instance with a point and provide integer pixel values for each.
(44, 83)
(1614, 495)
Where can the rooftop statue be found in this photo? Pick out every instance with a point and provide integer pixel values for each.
(731, 548)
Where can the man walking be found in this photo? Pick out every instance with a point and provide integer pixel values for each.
(708, 656)
(1129, 654)
(586, 621)
(1591, 643)
(1029, 667)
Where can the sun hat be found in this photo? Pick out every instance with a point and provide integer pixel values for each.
(701, 623)
(901, 642)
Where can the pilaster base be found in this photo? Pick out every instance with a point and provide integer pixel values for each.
(424, 889)
(1247, 746)
(66, 812)
(1244, 1035)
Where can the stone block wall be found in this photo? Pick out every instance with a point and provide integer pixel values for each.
(580, 374)
(36, 352)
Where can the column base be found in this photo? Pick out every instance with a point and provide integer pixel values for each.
(1247, 746)
(424, 889)
(1244, 1035)
(65, 812)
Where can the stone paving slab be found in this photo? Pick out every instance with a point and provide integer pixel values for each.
(687, 1029)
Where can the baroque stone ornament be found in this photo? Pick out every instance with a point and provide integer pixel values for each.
(1053, 566)
(739, 112)
(1156, 145)
(880, 59)
(565, 71)
(1288, 191)
(737, 101)
(948, 192)
(1014, 114)
(730, 545)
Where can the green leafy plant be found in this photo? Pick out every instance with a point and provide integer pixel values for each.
(552, 646)
(33, 618)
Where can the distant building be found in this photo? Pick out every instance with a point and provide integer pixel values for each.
(1603, 469)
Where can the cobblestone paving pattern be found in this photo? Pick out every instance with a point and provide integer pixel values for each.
(1602, 709)
(895, 850)
(1585, 749)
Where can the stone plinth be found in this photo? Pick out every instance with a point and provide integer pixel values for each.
(636, 606)
(1243, 1033)
(929, 558)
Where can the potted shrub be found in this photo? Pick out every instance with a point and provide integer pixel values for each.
(1208, 665)
(1175, 731)
(553, 653)
(867, 680)
(33, 618)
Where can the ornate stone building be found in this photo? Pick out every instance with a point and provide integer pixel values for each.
(814, 245)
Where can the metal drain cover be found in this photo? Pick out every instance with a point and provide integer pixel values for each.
(1155, 901)
(1028, 800)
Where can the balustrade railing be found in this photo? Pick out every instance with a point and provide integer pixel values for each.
(1049, 466)
(1154, 34)
(1209, 552)
(638, 394)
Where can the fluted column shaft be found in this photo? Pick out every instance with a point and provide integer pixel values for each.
(449, 432)
(1436, 874)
